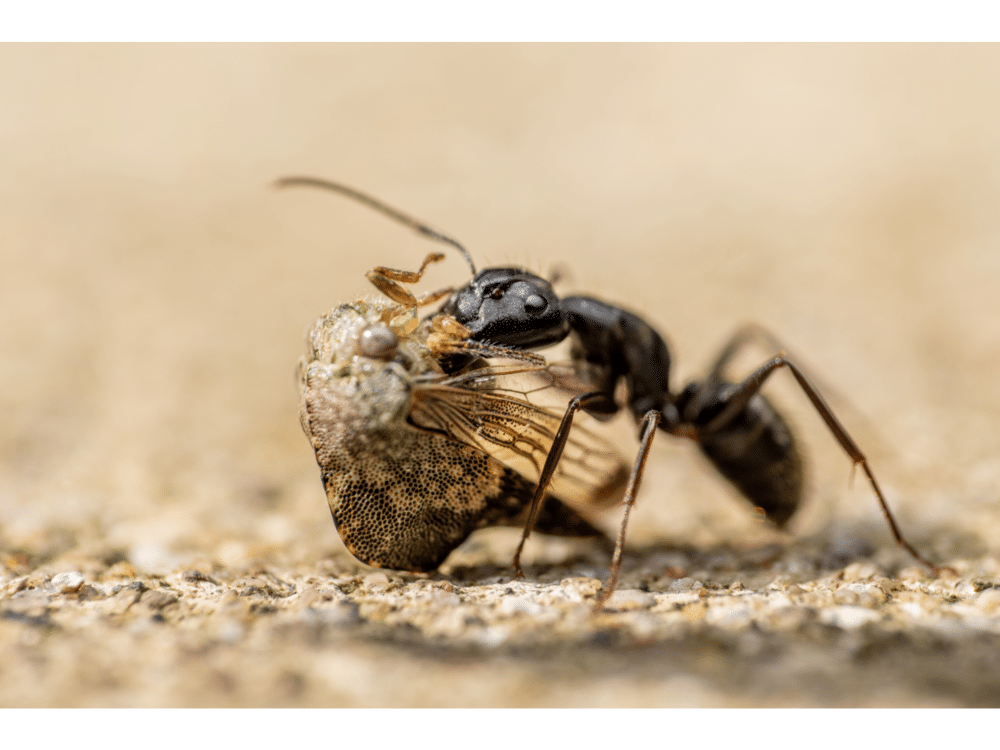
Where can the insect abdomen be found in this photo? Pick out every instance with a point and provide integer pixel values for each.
(757, 452)
(408, 509)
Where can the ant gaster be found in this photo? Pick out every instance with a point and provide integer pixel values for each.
(735, 426)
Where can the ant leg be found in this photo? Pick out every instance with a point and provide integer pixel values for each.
(555, 453)
(755, 333)
(745, 334)
(649, 425)
(740, 397)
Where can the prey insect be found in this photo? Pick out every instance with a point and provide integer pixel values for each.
(506, 313)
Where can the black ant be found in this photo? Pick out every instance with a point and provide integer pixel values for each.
(734, 425)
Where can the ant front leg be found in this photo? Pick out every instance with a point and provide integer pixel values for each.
(734, 422)
(611, 345)
(549, 468)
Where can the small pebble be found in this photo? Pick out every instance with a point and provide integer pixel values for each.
(196, 576)
(860, 571)
(68, 583)
(912, 574)
(88, 592)
(578, 589)
(158, 599)
(964, 589)
(446, 586)
(630, 599)
(686, 584)
(989, 601)
(125, 598)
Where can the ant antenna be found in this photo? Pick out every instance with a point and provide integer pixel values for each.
(379, 206)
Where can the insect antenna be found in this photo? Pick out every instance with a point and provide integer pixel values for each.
(374, 203)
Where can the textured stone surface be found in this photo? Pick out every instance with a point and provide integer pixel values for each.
(868, 634)
(164, 537)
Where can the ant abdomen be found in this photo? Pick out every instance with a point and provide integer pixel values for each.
(754, 448)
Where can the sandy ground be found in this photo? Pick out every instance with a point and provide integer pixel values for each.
(165, 538)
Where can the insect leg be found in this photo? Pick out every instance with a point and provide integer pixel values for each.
(429, 298)
(649, 425)
(744, 335)
(738, 399)
(755, 333)
(388, 280)
(555, 452)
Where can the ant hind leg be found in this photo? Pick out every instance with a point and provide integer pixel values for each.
(739, 397)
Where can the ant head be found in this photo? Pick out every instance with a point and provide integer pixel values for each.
(511, 307)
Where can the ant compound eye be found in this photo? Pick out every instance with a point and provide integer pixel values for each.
(496, 292)
(377, 342)
(535, 304)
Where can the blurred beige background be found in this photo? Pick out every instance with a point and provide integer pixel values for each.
(155, 289)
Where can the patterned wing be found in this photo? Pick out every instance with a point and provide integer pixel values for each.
(493, 409)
